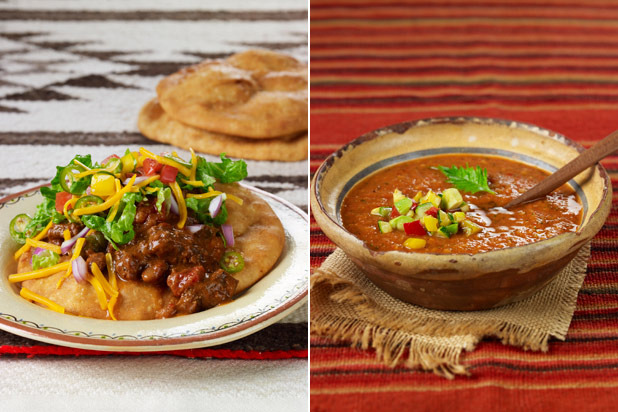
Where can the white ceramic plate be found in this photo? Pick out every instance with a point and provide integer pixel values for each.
(277, 294)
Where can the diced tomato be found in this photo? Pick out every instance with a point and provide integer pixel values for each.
(395, 213)
(414, 228)
(61, 199)
(151, 167)
(432, 212)
(108, 158)
(168, 174)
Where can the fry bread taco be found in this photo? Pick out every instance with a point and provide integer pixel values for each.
(144, 236)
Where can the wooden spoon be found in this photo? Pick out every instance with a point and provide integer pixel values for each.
(586, 159)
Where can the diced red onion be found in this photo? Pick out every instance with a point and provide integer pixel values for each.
(80, 269)
(228, 234)
(195, 228)
(88, 191)
(138, 179)
(215, 206)
(66, 246)
(174, 205)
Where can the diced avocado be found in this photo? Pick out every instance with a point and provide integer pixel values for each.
(459, 217)
(382, 211)
(447, 231)
(432, 198)
(397, 195)
(451, 199)
(470, 228)
(384, 227)
(397, 223)
(417, 197)
(430, 223)
(422, 209)
(414, 243)
(452, 228)
(464, 207)
(444, 218)
(403, 205)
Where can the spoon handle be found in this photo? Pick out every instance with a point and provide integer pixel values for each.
(586, 159)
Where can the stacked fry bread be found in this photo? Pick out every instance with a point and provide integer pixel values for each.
(251, 105)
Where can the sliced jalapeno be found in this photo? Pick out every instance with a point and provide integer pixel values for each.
(67, 176)
(18, 226)
(232, 262)
(86, 201)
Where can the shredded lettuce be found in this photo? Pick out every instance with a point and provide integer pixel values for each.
(200, 207)
(45, 212)
(228, 171)
(79, 186)
(44, 259)
(163, 197)
(120, 230)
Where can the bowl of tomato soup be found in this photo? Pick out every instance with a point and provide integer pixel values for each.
(419, 208)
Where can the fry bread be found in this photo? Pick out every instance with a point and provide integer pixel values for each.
(155, 124)
(259, 238)
(258, 233)
(256, 94)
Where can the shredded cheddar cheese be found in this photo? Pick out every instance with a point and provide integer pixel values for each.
(30, 295)
(77, 162)
(147, 181)
(89, 210)
(26, 247)
(112, 212)
(44, 245)
(182, 207)
(205, 195)
(76, 252)
(96, 272)
(113, 282)
(65, 209)
(99, 291)
(39, 273)
(193, 164)
(89, 172)
(234, 198)
(196, 183)
(66, 234)
(165, 161)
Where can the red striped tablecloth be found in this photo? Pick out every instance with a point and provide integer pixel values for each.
(554, 65)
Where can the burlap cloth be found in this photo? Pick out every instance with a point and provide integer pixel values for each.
(347, 306)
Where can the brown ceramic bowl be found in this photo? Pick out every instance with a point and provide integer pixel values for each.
(458, 281)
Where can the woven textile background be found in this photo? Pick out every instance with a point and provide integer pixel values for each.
(73, 77)
(553, 64)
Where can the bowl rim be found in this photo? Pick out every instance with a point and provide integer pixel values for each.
(402, 127)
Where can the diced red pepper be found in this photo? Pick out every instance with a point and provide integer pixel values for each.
(151, 167)
(432, 212)
(395, 213)
(168, 174)
(414, 228)
(414, 204)
(61, 199)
